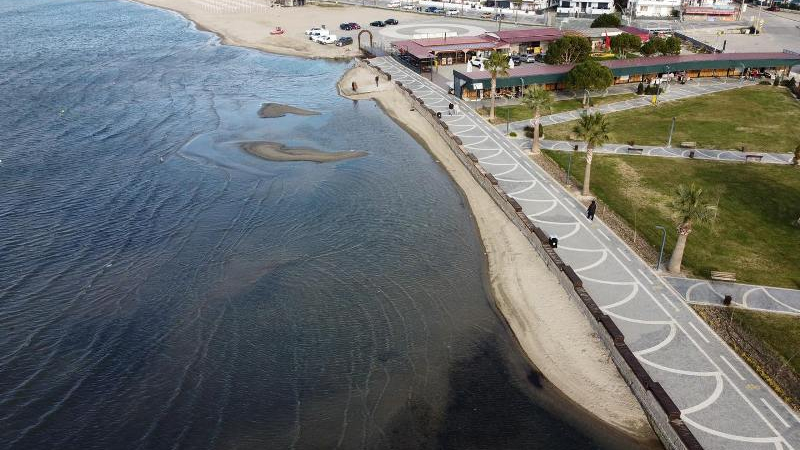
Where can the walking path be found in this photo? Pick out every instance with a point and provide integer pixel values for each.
(763, 298)
(676, 92)
(726, 405)
(664, 152)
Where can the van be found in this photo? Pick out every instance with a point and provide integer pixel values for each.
(318, 33)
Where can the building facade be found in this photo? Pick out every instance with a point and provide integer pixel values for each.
(577, 8)
(654, 8)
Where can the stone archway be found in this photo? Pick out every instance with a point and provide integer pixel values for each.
(370, 38)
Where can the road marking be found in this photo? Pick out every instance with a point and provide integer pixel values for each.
(670, 302)
(732, 368)
(698, 332)
(645, 276)
(769, 407)
(622, 252)
(603, 234)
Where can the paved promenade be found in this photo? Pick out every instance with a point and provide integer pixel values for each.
(663, 152)
(676, 92)
(726, 405)
(764, 298)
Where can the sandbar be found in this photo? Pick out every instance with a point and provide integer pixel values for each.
(274, 151)
(273, 110)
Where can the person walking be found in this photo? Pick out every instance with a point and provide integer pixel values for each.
(377, 80)
(450, 109)
(354, 86)
(590, 211)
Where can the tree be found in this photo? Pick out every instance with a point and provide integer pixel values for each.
(689, 208)
(538, 100)
(568, 50)
(796, 158)
(625, 42)
(589, 75)
(496, 64)
(606, 21)
(653, 46)
(671, 46)
(592, 129)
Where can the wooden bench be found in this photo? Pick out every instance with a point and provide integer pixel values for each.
(635, 151)
(688, 144)
(723, 276)
(753, 158)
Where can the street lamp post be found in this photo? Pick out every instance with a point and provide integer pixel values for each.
(671, 129)
(663, 241)
(569, 166)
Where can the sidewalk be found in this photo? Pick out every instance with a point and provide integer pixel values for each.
(662, 152)
(763, 298)
(724, 403)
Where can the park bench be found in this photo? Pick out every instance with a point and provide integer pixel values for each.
(723, 276)
(635, 151)
(753, 158)
(688, 144)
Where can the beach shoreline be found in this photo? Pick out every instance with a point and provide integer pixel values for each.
(529, 298)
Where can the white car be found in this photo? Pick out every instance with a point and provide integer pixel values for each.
(410, 7)
(318, 33)
(452, 12)
(329, 39)
(393, 5)
(477, 61)
(311, 30)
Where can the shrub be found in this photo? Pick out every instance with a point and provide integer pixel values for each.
(606, 21)
(528, 130)
(789, 82)
(777, 82)
(653, 90)
(640, 89)
(513, 134)
(765, 83)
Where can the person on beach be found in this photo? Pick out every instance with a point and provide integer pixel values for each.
(354, 86)
(590, 211)
(450, 109)
(377, 81)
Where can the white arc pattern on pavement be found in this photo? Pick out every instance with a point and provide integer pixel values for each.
(723, 414)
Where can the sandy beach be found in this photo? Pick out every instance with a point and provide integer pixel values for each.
(273, 151)
(551, 330)
(250, 26)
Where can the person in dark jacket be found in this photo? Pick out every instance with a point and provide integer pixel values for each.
(450, 109)
(590, 211)
(377, 80)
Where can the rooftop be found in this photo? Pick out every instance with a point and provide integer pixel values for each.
(526, 35)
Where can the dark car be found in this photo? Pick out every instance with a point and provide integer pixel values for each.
(354, 26)
(430, 9)
(346, 40)
(390, 22)
(377, 23)
(345, 26)
(773, 8)
(516, 59)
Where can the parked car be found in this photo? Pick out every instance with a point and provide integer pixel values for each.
(377, 23)
(345, 26)
(329, 39)
(774, 8)
(486, 15)
(311, 30)
(390, 22)
(409, 7)
(517, 59)
(439, 11)
(345, 40)
(477, 61)
(393, 5)
(527, 57)
(354, 26)
(317, 33)
(452, 12)
(431, 9)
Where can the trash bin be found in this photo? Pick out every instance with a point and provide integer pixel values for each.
(554, 242)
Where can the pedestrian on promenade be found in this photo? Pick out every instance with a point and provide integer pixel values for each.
(450, 109)
(590, 211)
(377, 79)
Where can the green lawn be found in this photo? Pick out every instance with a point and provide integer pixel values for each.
(758, 203)
(762, 118)
(779, 331)
(519, 112)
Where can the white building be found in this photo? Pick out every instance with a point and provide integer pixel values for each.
(577, 8)
(654, 8)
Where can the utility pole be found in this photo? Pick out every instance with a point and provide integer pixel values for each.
(671, 129)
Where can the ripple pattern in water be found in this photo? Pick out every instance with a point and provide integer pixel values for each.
(162, 289)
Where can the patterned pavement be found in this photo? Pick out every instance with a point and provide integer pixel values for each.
(663, 152)
(763, 298)
(724, 403)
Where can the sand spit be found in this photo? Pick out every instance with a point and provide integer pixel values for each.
(551, 330)
(273, 110)
(274, 151)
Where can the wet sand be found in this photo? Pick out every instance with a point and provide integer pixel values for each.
(274, 110)
(273, 151)
(552, 332)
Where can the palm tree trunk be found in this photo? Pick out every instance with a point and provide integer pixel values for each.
(535, 150)
(587, 172)
(677, 254)
(494, 87)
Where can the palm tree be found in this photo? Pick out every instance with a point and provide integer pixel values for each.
(496, 64)
(690, 208)
(538, 99)
(591, 128)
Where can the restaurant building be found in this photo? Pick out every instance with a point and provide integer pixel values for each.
(476, 85)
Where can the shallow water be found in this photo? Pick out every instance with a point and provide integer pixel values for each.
(161, 288)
